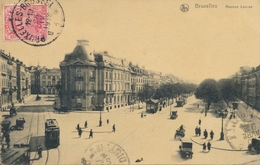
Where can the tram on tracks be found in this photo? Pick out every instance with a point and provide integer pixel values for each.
(52, 133)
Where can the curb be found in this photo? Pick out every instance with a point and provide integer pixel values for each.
(224, 149)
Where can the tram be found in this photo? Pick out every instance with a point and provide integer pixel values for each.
(52, 133)
(152, 105)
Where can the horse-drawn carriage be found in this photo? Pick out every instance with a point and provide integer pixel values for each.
(180, 132)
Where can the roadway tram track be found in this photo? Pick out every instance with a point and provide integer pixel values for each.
(37, 132)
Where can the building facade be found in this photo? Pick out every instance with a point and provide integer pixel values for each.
(99, 81)
(248, 87)
(14, 80)
(44, 80)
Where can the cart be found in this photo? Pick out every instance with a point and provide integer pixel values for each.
(186, 149)
(174, 115)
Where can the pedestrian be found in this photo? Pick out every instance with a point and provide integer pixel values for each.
(114, 128)
(205, 133)
(211, 134)
(86, 124)
(79, 132)
(78, 127)
(196, 131)
(199, 131)
(90, 134)
(209, 146)
(107, 121)
(7, 140)
(198, 105)
(206, 112)
(142, 115)
(39, 149)
(230, 117)
(204, 147)
(199, 122)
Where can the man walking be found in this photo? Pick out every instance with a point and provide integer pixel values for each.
(7, 140)
(199, 131)
(86, 124)
(199, 122)
(114, 128)
(90, 134)
(209, 146)
(107, 121)
(39, 149)
(204, 147)
(196, 131)
(205, 134)
(79, 132)
(211, 134)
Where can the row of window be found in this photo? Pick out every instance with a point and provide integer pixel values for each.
(79, 73)
(49, 91)
(49, 83)
(51, 77)
(79, 86)
(117, 76)
(117, 87)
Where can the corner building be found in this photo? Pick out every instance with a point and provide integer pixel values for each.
(94, 81)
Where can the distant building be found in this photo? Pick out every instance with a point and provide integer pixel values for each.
(248, 86)
(44, 80)
(15, 80)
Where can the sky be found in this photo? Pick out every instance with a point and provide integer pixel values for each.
(201, 43)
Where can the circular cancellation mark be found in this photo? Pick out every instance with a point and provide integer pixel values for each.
(37, 22)
(103, 152)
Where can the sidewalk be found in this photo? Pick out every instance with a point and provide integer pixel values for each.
(244, 127)
(238, 131)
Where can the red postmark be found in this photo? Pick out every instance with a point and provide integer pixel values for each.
(25, 22)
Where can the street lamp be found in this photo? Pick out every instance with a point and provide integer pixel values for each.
(100, 119)
(222, 132)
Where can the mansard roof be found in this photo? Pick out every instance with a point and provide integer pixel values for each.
(79, 53)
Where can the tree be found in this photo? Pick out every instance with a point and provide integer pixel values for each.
(208, 92)
(147, 92)
(227, 91)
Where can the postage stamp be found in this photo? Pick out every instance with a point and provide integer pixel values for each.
(102, 152)
(29, 22)
(36, 23)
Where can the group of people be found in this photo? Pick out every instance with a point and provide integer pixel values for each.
(208, 145)
(205, 133)
(79, 129)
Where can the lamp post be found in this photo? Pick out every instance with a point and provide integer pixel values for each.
(222, 132)
(100, 119)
